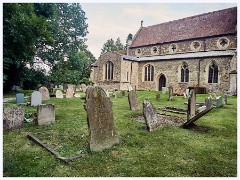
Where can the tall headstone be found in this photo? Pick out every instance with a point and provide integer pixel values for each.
(69, 93)
(191, 104)
(36, 98)
(19, 98)
(100, 119)
(219, 101)
(133, 100)
(45, 93)
(45, 114)
(59, 94)
(13, 117)
(150, 115)
(158, 97)
(170, 93)
(225, 99)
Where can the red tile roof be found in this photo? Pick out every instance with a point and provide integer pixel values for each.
(204, 25)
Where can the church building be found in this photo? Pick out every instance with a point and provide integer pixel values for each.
(197, 51)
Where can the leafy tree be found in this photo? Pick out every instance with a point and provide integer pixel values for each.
(111, 45)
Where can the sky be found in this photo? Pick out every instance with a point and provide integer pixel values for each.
(113, 20)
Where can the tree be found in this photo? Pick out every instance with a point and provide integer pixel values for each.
(111, 45)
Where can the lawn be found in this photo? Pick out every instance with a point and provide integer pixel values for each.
(207, 150)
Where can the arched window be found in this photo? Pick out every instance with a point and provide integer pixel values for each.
(213, 73)
(184, 73)
(149, 73)
(109, 71)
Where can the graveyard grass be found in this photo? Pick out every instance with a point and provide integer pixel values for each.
(209, 149)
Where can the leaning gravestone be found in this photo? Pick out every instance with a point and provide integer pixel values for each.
(170, 93)
(158, 97)
(45, 114)
(19, 98)
(133, 100)
(219, 101)
(84, 87)
(69, 93)
(13, 117)
(45, 93)
(59, 94)
(36, 98)
(191, 104)
(150, 115)
(100, 119)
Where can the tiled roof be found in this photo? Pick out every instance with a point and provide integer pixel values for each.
(204, 25)
(182, 56)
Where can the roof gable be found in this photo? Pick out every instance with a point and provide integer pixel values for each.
(204, 25)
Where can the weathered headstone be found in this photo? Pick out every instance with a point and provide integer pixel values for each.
(219, 101)
(84, 87)
(59, 94)
(187, 92)
(13, 118)
(36, 98)
(72, 86)
(150, 115)
(164, 89)
(69, 93)
(184, 95)
(225, 99)
(61, 87)
(170, 93)
(45, 93)
(78, 88)
(107, 92)
(158, 97)
(45, 114)
(19, 98)
(208, 102)
(133, 100)
(100, 119)
(130, 88)
(123, 94)
(191, 104)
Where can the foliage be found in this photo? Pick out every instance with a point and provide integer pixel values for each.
(111, 45)
(207, 151)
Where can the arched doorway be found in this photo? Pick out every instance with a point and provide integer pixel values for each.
(162, 82)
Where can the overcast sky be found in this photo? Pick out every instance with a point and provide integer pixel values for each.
(113, 20)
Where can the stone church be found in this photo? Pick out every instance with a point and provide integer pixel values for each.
(198, 51)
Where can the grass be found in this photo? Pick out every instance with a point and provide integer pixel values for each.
(207, 151)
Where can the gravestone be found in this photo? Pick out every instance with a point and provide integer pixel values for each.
(201, 109)
(187, 92)
(72, 86)
(45, 93)
(150, 115)
(59, 94)
(191, 104)
(19, 98)
(184, 95)
(123, 94)
(219, 101)
(78, 88)
(164, 89)
(170, 93)
(45, 114)
(158, 97)
(133, 100)
(208, 102)
(225, 99)
(36, 98)
(84, 87)
(107, 92)
(100, 119)
(13, 117)
(130, 88)
(61, 87)
(69, 93)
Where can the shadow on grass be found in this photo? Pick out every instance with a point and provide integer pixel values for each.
(198, 128)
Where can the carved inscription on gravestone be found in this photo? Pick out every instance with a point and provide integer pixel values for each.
(45, 114)
(100, 119)
(13, 117)
(150, 115)
(133, 100)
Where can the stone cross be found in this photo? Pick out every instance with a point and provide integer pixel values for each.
(158, 97)
(36, 98)
(45, 93)
(59, 94)
(170, 93)
(45, 114)
(219, 101)
(19, 98)
(133, 100)
(100, 119)
(150, 115)
(13, 117)
(191, 104)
